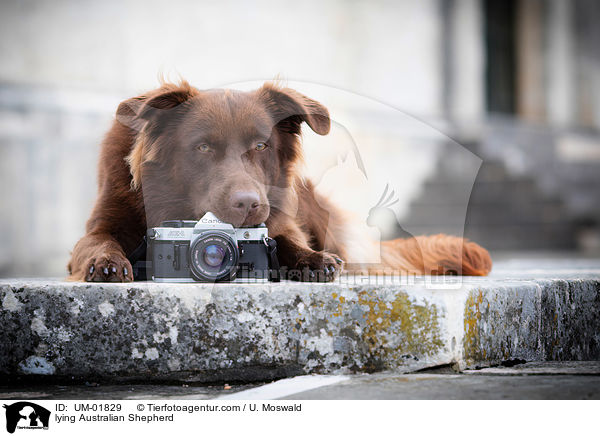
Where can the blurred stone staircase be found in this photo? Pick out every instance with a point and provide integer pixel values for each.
(503, 212)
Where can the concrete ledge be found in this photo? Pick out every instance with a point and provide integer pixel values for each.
(246, 332)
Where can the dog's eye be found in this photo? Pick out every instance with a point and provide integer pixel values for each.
(204, 148)
(260, 146)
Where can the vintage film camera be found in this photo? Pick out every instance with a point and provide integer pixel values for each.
(210, 250)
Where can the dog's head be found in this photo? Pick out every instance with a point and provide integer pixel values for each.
(229, 152)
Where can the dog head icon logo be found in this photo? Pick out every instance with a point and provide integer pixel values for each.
(24, 414)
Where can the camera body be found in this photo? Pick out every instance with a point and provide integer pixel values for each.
(209, 250)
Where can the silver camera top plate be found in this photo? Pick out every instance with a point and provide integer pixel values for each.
(209, 222)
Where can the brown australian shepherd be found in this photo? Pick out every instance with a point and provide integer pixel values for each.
(177, 152)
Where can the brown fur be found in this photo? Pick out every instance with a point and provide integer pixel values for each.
(177, 153)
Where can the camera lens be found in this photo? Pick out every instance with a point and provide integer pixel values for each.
(213, 257)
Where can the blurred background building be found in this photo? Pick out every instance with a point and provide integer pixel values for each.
(515, 82)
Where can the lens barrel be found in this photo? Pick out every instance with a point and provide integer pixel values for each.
(213, 257)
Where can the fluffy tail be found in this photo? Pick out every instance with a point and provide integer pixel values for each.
(433, 255)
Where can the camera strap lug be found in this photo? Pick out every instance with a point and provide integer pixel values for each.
(137, 258)
(274, 274)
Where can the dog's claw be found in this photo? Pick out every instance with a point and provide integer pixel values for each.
(92, 269)
(105, 271)
(125, 270)
(320, 267)
(114, 270)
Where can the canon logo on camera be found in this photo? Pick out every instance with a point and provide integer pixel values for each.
(210, 221)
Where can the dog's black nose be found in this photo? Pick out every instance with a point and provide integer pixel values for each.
(245, 200)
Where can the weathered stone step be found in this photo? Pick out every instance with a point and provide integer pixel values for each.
(245, 332)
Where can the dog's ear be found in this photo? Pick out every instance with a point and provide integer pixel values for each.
(290, 108)
(136, 111)
(135, 114)
(164, 101)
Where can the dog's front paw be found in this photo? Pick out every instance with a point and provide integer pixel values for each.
(112, 267)
(318, 266)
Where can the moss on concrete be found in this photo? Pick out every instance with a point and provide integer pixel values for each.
(399, 329)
